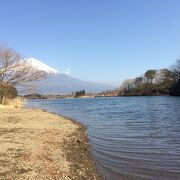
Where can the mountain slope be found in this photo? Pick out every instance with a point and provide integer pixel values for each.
(37, 64)
(64, 84)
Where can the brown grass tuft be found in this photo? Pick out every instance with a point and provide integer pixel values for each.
(17, 102)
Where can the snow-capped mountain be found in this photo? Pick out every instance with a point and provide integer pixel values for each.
(61, 83)
(39, 65)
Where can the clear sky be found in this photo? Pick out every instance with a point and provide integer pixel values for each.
(98, 40)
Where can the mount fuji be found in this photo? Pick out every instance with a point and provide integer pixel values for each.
(56, 82)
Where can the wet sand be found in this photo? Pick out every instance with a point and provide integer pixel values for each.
(35, 144)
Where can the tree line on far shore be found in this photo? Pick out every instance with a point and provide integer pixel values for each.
(80, 93)
(154, 82)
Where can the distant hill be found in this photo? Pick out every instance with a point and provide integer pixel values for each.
(59, 83)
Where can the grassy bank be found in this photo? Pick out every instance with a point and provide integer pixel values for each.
(39, 145)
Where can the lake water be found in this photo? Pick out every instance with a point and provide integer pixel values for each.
(131, 137)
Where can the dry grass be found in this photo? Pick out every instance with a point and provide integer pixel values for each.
(31, 144)
(17, 102)
(39, 145)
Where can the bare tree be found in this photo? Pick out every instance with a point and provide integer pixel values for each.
(14, 71)
(175, 76)
(127, 86)
(138, 82)
(175, 70)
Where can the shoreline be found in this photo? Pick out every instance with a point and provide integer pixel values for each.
(38, 144)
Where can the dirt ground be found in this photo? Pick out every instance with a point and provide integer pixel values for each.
(35, 144)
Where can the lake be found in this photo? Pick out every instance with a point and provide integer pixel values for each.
(130, 137)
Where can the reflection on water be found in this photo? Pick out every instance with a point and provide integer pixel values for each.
(131, 137)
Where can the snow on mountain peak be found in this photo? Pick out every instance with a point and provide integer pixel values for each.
(41, 66)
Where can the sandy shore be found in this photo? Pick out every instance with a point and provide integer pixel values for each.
(39, 145)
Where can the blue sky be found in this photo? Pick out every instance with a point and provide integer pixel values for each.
(99, 40)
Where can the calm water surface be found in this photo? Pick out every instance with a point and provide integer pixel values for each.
(131, 137)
